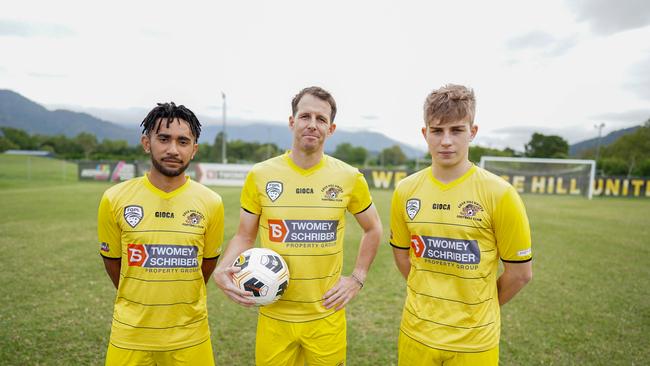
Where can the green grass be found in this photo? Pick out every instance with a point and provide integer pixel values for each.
(588, 304)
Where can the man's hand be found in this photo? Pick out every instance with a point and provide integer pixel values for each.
(341, 294)
(223, 279)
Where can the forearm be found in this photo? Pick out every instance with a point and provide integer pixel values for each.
(236, 245)
(402, 261)
(512, 281)
(112, 267)
(207, 267)
(367, 251)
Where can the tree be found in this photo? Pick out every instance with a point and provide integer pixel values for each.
(217, 151)
(88, 143)
(547, 146)
(632, 148)
(6, 144)
(392, 156)
(19, 138)
(351, 154)
(266, 151)
(476, 152)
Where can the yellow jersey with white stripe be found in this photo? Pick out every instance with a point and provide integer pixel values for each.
(302, 217)
(456, 233)
(161, 239)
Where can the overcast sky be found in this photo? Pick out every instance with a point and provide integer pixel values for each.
(554, 66)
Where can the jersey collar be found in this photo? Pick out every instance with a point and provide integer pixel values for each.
(454, 183)
(166, 195)
(300, 170)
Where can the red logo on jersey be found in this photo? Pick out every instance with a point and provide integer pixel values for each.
(277, 230)
(137, 254)
(418, 245)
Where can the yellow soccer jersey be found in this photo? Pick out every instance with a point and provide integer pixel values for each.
(162, 239)
(456, 234)
(302, 217)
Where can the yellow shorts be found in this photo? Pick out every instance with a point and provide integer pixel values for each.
(317, 342)
(201, 354)
(413, 353)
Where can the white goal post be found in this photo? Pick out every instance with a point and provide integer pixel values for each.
(544, 176)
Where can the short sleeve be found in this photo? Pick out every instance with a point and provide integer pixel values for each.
(400, 237)
(108, 231)
(360, 198)
(249, 199)
(512, 230)
(214, 231)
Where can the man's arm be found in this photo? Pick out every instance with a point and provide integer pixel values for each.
(244, 239)
(348, 286)
(112, 266)
(402, 261)
(514, 277)
(207, 267)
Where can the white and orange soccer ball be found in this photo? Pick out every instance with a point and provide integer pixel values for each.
(264, 273)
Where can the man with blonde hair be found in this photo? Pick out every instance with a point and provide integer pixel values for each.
(451, 224)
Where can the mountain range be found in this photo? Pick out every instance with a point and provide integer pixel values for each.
(18, 111)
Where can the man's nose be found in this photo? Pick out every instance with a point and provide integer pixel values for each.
(446, 138)
(312, 123)
(173, 148)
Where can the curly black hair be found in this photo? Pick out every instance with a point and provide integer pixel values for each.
(169, 111)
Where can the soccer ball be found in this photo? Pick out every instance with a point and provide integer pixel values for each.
(264, 273)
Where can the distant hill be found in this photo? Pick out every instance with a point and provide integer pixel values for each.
(577, 148)
(280, 135)
(19, 112)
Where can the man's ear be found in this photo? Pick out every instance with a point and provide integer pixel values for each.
(472, 132)
(146, 143)
(332, 128)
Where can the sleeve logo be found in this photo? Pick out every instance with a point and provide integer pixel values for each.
(412, 207)
(273, 190)
(133, 214)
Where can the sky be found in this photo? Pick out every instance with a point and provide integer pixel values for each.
(554, 67)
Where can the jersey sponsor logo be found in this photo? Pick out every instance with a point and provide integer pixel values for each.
(164, 214)
(523, 253)
(305, 190)
(162, 256)
(459, 251)
(274, 190)
(302, 231)
(193, 218)
(133, 214)
(469, 210)
(412, 207)
(104, 247)
(441, 206)
(331, 192)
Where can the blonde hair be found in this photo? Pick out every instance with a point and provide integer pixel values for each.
(451, 103)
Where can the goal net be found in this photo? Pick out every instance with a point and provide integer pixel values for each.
(544, 176)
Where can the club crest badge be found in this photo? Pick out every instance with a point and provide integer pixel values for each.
(470, 210)
(133, 215)
(273, 190)
(412, 207)
(193, 218)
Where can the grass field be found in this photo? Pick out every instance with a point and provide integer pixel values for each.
(588, 304)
